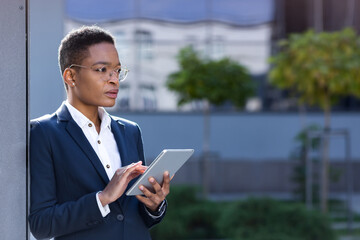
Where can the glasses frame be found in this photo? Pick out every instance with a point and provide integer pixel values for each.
(125, 69)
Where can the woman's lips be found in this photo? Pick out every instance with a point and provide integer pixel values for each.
(112, 93)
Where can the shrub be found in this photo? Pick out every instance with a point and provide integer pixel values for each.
(187, 217)
(266, 219)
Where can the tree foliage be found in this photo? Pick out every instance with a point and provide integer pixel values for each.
(319, 67)
(217, 81)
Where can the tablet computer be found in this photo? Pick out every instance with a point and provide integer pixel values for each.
(168, 160)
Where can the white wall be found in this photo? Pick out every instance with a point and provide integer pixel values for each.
(241, 136)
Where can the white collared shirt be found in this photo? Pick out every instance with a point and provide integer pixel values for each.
(103, 143)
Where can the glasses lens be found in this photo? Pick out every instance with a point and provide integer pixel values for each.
(123, 74)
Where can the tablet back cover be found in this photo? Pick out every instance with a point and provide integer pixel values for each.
(168, 160)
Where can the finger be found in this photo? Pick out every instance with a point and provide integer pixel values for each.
(131, 172)
(141, 168)
(153, 200)
(144, 200)
(166, 183)
(146, 192)
(121, 170)
(155, 185)
(132, 165)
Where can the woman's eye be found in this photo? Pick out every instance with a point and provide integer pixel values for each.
(102, 69)
(118, 70)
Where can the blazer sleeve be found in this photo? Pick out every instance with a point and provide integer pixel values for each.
(48, 218)
(148, 219)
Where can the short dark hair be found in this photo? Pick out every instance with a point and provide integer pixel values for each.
(74, 46)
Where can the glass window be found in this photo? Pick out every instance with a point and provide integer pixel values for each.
(121, 44)
(148, 96)
(144, 43)
(216, 47)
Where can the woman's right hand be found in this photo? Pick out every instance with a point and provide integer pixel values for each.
(120, 181)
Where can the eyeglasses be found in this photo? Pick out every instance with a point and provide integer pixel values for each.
(120, 72)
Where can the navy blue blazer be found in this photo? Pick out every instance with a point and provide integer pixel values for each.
(66, 174)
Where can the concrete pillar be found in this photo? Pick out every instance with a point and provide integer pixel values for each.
(13, 120)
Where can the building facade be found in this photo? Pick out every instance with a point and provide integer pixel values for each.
(148, 42)
(149, 48)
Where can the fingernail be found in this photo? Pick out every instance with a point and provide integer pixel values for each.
(151, 180)
(167, 173)
(141, 187)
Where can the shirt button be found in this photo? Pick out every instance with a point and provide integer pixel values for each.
(99, 141)
(120, 217)
(90, 125)
(107, 166)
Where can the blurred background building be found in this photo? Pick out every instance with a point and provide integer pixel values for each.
(150, 34)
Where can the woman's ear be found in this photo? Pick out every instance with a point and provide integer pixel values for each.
(68, 77)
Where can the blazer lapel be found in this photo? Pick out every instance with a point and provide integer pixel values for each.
(118, 129)
(77, 134)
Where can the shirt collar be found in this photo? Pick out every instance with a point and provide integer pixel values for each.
(83, 121)
(105, 118)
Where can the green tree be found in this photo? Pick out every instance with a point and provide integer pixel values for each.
(319, 68)
(213, 82)
(216, 81)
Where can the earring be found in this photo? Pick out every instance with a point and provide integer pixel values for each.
(73, 84)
